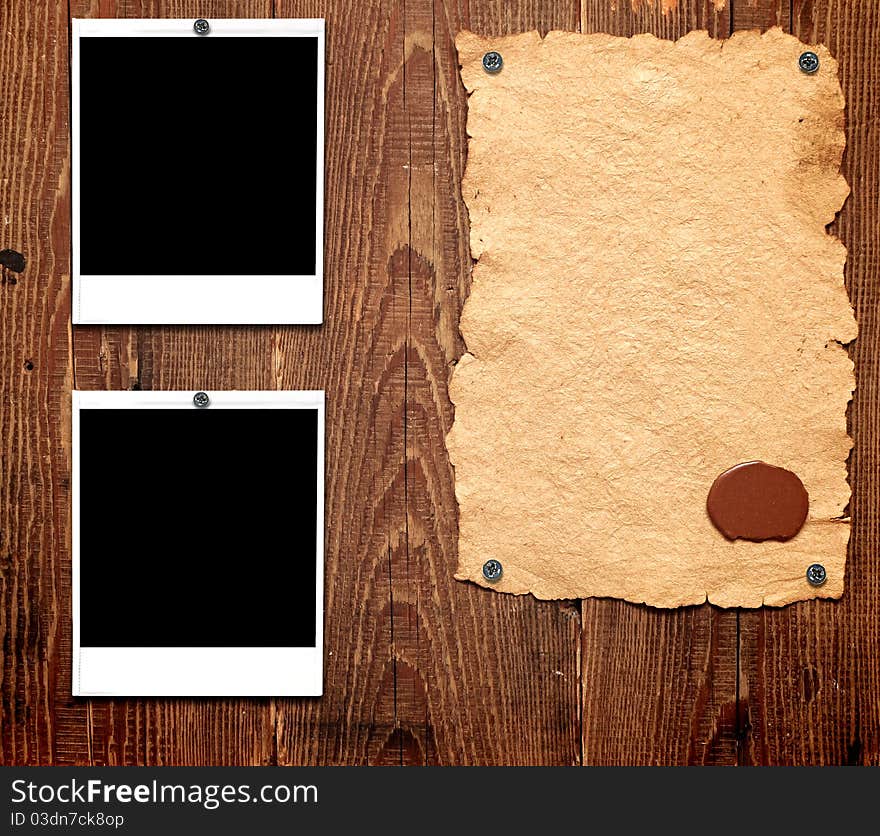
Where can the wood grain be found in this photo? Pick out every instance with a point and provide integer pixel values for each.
(419, 668)
(664, 18)
(761, 14)
(35, 380)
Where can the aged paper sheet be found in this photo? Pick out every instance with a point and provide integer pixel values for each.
(655, 300)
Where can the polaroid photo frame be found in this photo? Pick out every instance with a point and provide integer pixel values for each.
(198, 543)
(197, 172)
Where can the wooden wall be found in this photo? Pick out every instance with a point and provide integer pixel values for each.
(419, 668)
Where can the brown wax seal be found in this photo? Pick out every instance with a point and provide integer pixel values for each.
(757, 501)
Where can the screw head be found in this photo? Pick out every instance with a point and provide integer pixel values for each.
(201, 26)
(201, 400)
(816, 574)
(493, 62)
(808, 62)
(492, 570)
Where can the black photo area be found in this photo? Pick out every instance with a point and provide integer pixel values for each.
(197, 156)
(197, 527)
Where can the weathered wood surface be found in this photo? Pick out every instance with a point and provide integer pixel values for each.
(419, 668)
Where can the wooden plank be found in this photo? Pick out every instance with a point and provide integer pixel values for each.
(425, 669)
(134, 731)
(361, 361)
(745, 15)
(517, 657)
(761, 14)
(35, 375)
(659, 687)
(491, 17)
(811, 672)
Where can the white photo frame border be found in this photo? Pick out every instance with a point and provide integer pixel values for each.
(198, 671)
(196, 299)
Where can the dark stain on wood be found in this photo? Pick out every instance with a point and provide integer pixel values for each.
(12, 260)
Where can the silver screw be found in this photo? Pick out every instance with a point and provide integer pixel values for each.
(201, 399)
(201, 26)
(816, 574)
(808, 62)
(493, 62)
(492, 570)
